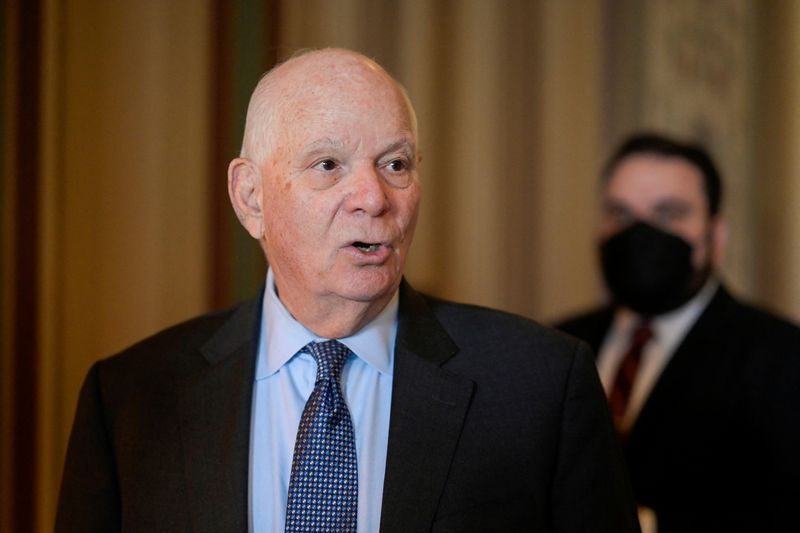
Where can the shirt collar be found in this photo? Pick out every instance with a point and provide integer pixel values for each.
(672, 323)
(282, 336)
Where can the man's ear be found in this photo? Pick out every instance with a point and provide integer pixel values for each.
(244, 189)
(719, 239)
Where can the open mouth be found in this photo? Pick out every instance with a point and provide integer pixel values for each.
(367, 247)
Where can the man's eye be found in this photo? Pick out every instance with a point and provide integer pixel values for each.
(397, 165)
(619, 215)
(327, 165)
(671, 214)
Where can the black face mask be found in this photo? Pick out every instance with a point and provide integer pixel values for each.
(650, 270)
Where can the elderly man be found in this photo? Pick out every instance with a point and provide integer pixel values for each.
(341, 399)
(704, 389)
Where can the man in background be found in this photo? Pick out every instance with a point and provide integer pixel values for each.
(340, 399)
(704, 389)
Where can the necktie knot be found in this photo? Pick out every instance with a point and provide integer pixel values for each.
(622, 388)
(330, 357)
(642, 334)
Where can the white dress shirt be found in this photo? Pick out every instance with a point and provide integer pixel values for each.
(285, 377)
(669, 330)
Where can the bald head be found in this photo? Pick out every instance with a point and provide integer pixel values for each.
(309, 78)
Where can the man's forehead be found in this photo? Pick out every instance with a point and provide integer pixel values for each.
(341, 119)
(645, 177)
(335, 122)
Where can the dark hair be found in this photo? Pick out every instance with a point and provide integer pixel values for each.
(661, 145)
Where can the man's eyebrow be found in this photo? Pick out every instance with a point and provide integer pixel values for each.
(322, 143)
(403, 144)
(673, 202)
(614, 202)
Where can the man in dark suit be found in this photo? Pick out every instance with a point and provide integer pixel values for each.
(341, 399)
(704, 389)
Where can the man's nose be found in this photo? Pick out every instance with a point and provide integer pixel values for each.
(368, 191)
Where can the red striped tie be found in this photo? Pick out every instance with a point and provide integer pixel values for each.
(623, 384)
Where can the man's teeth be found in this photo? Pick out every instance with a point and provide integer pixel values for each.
(367, 247)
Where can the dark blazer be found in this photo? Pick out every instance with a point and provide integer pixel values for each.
(497, 424)
(716, 447)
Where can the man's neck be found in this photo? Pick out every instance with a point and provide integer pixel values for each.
(693, 306)
(332, 317)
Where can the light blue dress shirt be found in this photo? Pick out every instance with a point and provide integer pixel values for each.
(284, 380)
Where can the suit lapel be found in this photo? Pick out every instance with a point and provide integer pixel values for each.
(215, 405)
(428, 409)
(690, 354)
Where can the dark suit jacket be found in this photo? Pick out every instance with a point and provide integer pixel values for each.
(716, 447)
(497, 424)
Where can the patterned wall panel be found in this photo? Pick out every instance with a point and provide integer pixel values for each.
(698, 82)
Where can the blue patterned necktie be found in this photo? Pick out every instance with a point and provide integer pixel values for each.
(323, 488)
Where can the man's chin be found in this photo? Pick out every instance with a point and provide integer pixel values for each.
(368, 287)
